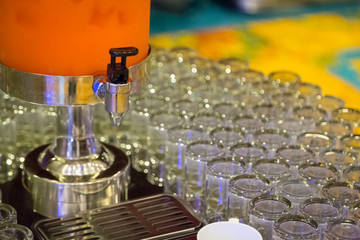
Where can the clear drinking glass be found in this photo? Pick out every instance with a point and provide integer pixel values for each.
(190, 84)
(170, 95)
(274, 170)
(227, 112)
(246, 78)
(206, 121)
(264, 210)
(249, 152)
(249, 123)
(322, 210)
(354, 212)
(8, 150)
(309, 92)
(339, 158)
(15, 232)
(242, 189)
(198, 154)
(227, 136)
(318, 173)
(187, 108)
(178, 139)
(344, 193)
(233, 64)
(329, 103)
(287, 99)
(295, 227)
(347, 115)
(343, 229)
(141, 110)
(209, 96)
(271, 139)
(295, 155)
(247, 99)
(315, 141)
(8, 214)
(219, 172)
(352, 175)
(297, 190)
(351, 143)
(310, 115)
(270, 111)
(285, 81)
(292, 126)
(334, 129)
(160, 123)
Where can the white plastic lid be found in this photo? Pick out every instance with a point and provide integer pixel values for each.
(228, 231)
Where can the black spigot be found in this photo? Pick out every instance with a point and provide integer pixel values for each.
(117, 72)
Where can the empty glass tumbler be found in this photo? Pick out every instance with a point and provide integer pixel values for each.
(295, 227)
(219, 172)
(242, 189)
(264, 210)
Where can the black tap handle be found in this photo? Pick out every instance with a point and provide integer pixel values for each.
(117, 72)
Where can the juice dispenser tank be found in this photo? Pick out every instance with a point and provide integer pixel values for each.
(56, 53)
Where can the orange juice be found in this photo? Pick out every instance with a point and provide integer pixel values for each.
(71, 37)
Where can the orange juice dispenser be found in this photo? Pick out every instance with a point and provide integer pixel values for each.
(57, 53)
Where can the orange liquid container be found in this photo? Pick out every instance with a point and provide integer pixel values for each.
(71, 37)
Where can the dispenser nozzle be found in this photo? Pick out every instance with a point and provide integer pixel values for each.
(116, 88)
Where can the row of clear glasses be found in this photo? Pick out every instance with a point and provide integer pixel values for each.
(23, 127)
(246, 141)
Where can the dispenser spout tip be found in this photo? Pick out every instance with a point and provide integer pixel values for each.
(116, 118)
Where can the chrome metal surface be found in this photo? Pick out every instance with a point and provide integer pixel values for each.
(61, 90)
(156, 217)
(117, 101)
(54, 197)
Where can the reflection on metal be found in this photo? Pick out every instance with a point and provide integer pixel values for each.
(61, 90)
(56, 197)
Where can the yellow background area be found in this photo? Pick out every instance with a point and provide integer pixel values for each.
(306, 45)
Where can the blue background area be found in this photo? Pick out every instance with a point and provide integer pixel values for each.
(207, 14)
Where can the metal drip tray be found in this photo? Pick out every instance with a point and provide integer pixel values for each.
(156, 217)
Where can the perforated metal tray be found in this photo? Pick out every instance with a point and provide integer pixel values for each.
(156, 217)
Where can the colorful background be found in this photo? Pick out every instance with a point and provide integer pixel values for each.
(322, 44)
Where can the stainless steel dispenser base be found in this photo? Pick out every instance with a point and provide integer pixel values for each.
(55, 198)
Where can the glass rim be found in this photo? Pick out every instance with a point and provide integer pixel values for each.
(321, 201)
(298, 218)
(204, 142)
(242, 72)
(331, 225)
(322, 96)
(269, 215)
(323, 136)
(248, 145)
(307, 164)
(271, 77)
(183, 127)
(274, 161)
(349, 169)
(315, 108)
(350, 136)
(338, 150)
(18, 227)
(165, 112)
(294, 147)
(332, 184)
(11, 212)
(243, 193)
(237, 161)
(285, 182)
